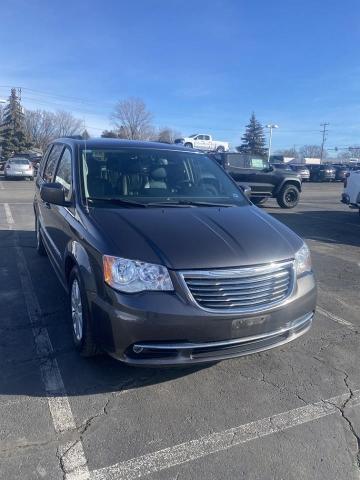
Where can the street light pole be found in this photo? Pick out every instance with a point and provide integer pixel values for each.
(270, 127)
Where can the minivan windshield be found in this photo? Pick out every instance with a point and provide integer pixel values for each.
(129, 176)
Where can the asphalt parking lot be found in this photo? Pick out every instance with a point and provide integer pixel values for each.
(289, 413)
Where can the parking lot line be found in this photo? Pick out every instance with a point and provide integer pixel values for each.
(58, 402)
(217, 442)
(337, 319)
(8, 214)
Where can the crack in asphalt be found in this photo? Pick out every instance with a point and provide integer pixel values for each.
(61, 456)
(25, 446)
(341, 409)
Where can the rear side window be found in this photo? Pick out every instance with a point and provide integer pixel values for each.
(51, 163)
(237, 161)
(64, 174)
(257, 163)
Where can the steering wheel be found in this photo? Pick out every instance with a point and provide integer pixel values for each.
(184, 183)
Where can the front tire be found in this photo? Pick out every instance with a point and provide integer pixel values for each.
(188, 145)
(80, 316)
(288, 197)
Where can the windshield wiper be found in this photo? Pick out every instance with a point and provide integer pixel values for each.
(117, 201)
(190, 203)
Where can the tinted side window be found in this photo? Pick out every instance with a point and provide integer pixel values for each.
(200, 137)
(237, 161)
(64, 173)
(51, 163)
(206, 137)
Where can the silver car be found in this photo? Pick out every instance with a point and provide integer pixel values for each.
(19, 168)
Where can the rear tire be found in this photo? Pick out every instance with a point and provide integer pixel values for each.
(258, 200)
(80, 316)
(220, 149)
(288, 197)
(40, 248)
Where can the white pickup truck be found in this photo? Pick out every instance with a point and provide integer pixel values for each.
(203, 142)
(351, 193)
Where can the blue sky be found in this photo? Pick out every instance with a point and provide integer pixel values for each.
(198, 65)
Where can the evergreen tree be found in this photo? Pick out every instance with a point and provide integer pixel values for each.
(253, 140)
(12, 130)
(85, 135)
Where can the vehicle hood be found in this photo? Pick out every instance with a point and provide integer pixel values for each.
(188, 238)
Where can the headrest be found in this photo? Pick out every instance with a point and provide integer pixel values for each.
(135, 166)
(158, 173)
(93, 166)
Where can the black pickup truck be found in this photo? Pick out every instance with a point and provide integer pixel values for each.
(265, 181)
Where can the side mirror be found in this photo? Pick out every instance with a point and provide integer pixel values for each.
(53, 193)
(268, 168)
(246, 190)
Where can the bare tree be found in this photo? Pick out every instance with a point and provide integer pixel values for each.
(42, 127)
(67, 125)
(312, 151)
(132, 118)
(288, 152)
(109, 134)
(350, 154)
(1, 114)
(167, 135)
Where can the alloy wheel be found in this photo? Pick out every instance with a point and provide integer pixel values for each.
(76, 310)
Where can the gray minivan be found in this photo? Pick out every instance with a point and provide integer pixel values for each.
(165, 259)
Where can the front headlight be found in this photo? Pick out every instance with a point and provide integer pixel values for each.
(134, 276)
(303, 260)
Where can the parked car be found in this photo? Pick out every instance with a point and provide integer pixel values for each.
(351, 193)
(281, 166)
(341, 171)
(302, 170)
(203, 142)
(35, 163)
(353, 166)
(265, 180)
(165, 260)
(19, 168)
(321, 173)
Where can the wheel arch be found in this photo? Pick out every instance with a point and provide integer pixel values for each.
(77, 255)
(288, 181)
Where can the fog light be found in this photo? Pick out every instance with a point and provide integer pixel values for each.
(137, 349)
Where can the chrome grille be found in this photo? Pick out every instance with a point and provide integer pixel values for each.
(247, 289)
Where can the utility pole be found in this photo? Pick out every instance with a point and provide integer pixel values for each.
(270, 127)
(324, 132)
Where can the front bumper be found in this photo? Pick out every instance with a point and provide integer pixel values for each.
(191, 353)
(163, 328)
(19, 175)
